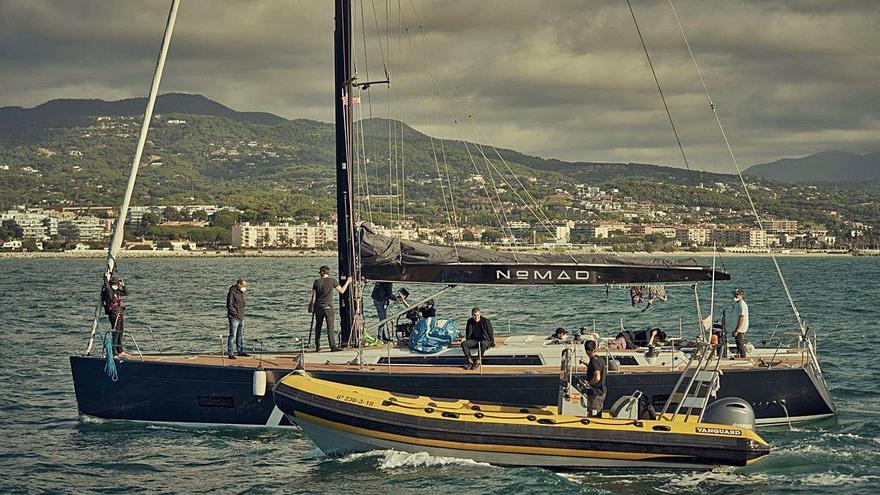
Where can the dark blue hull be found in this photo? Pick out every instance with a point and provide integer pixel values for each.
(205, 394)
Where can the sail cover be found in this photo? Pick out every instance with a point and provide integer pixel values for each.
(392, 259)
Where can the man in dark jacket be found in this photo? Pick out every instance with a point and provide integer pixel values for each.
(235, 315)
(478, 333)
(112, 297)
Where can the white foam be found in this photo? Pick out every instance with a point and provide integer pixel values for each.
(835, 479)
(392, 459)
(717, 476)
(395, 459)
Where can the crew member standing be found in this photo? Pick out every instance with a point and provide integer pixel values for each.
(321, 304)
(596, 379)
(478, 333)
(382, 296)
(740, 321)
(235, 316)
(113, 298)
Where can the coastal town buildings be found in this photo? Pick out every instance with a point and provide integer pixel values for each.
(284, 235)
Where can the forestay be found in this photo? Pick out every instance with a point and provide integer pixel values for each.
(393, 259)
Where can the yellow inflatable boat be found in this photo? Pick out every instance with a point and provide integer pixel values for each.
(342, 419)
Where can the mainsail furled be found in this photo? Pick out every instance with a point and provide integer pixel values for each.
(393, 259)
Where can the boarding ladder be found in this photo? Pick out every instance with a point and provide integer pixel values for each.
(698, 381)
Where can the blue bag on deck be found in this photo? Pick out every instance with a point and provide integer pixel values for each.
(432, 335)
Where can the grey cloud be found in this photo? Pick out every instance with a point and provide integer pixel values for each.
(563, 79)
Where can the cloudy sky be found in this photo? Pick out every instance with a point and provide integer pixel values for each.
(564, 79)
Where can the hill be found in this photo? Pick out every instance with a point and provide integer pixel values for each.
(827, 166)
(78, 153)
(73, 112)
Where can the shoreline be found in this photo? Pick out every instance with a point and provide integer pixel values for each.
(289, 253)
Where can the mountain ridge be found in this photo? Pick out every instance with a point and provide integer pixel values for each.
(833, 166)
(72, 110)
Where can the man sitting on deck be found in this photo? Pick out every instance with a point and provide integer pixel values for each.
(478, 333)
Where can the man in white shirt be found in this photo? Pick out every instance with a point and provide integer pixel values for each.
(740, 321)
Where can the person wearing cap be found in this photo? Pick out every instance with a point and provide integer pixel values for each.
(321, 305)
(235, 317)
(740, 321)
(560, 336)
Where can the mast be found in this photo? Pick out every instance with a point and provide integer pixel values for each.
(344, 215)
(118, 232)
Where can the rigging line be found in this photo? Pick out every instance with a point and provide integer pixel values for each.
(483, 184)
(662, 95)
(464, 142)
(497, 196)
(473, 121)
(365, 161)
(470, 117)
(440, 102)
(429, 93)
(370, 108)
(379, 38)
(433, 93)
(434, 155)
(739, 173)
(543, 221)
(402, 125)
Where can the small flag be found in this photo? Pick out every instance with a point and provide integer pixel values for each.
(355, 101)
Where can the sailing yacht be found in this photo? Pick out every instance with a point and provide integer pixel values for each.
(198, 389)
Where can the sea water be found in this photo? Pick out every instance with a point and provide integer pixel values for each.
(46, 447)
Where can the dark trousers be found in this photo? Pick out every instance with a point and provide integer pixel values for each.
(595, 402)
(469, 344)
(322, 314)
(740, 339)
(116, 323)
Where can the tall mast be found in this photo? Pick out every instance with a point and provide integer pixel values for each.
(118, 232)
(345, 219)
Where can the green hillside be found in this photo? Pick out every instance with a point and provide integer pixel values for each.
(78, 152)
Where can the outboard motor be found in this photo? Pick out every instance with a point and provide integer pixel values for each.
(730, 411)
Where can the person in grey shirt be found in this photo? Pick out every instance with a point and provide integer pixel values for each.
(740, 321)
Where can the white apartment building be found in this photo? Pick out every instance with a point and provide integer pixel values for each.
(689, 236)
(31, 223)
(754, 238)
(246, 235)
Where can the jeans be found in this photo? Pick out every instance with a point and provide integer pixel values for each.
(236, 329)
(382, 311)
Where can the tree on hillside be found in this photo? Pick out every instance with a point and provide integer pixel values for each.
(224, 219)
(491, 235)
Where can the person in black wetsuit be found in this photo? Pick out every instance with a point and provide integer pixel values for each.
(321, 304)
(113, 299)
(478, 333)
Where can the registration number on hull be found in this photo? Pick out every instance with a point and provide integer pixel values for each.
(355, 400)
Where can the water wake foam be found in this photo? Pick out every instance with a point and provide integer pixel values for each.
(392, 459)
